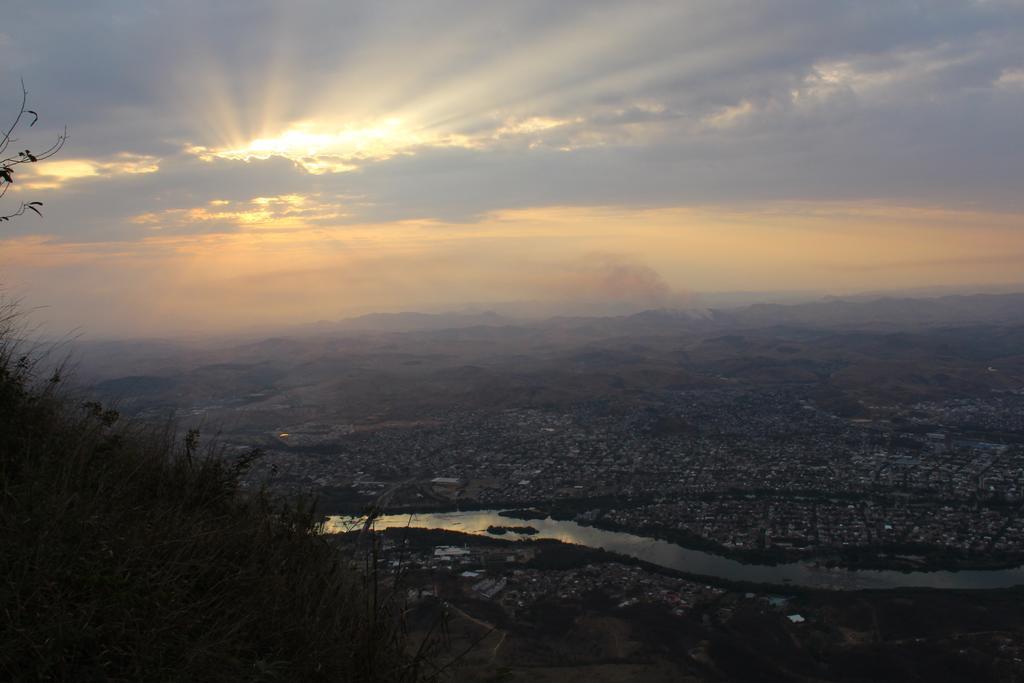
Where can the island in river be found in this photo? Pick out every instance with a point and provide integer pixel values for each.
(497, 530)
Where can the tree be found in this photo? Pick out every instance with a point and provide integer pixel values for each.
(9, 161)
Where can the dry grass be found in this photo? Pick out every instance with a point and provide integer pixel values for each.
(128, 554)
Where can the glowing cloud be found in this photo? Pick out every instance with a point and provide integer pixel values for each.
(282, 212)
(1011, 79)
(56, 173)
(324, 149)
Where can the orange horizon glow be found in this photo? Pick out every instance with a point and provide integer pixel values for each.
(272, 261)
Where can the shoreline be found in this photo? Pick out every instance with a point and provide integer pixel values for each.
(827, 558)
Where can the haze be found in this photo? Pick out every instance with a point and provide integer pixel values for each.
(251, 164)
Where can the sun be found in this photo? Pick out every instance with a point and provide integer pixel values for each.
(321, 147)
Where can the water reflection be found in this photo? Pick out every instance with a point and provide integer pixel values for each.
(676, 557)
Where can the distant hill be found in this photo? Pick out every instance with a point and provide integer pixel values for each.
(878, 350)
(407, 322)
(888, 312)
(830, 313)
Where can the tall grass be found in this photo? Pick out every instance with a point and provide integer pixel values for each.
(126, 554)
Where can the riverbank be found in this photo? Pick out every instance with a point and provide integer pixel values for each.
(703, 563)
(590, 512)
(901, 558)
(892, 557)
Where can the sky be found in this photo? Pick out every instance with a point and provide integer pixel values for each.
(245, 164)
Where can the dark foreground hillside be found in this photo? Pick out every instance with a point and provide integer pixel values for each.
(126, 555)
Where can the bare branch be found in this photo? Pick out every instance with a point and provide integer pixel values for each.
(6, 139)
(9, 164)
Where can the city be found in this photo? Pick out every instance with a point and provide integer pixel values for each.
(479, 341)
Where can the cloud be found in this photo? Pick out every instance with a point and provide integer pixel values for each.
(653, 102)
(54, 173)
(319, 147)
(610, 282)
(279, 213)
(463, 133)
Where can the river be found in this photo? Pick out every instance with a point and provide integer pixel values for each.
(672, 556)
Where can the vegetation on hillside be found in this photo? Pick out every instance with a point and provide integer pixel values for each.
(127, 554)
